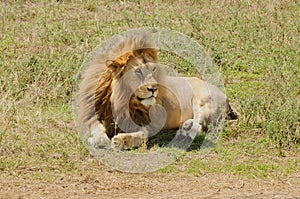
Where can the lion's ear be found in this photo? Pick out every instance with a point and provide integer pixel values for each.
(153, 53)
(120, 62)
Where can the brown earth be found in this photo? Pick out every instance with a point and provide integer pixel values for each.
(101, 182)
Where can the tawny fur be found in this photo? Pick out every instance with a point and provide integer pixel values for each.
(103, 91)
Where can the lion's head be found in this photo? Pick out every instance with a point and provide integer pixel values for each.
(140, 79)
(125, 75)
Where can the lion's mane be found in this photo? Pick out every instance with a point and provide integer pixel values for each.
(100, 79)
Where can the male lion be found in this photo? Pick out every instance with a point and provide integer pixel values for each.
(125, 97)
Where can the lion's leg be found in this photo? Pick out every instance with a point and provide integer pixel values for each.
(198, 116)
(129, 140)
(139, 137)
(193, 127)
(99, 137)
(190, 128)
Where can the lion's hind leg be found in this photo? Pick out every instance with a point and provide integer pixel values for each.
(191, 127)
(184, 135)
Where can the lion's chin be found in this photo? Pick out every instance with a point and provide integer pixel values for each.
(149, 101)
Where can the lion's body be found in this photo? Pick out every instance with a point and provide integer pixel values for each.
(180, 98)
(126, 97)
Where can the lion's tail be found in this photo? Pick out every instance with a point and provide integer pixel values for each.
(231, 114)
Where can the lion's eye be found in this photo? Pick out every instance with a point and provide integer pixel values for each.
(154, 69)
(139, 72)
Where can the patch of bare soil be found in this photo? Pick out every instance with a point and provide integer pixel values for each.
(100, 182)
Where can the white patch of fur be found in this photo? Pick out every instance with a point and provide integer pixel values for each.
(149, 101)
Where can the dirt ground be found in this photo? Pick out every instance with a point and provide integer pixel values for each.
(102, 182)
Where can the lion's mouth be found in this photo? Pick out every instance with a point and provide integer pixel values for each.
(147, 101)
(140, 98)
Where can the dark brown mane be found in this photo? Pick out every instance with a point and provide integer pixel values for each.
(95, 90)
(103, 104)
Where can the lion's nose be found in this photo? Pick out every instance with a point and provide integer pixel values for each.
(152, 88)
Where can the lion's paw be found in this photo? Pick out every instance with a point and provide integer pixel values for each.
(98, 142)
(98, 139)
(182, 140)
(184, 135)
(128, 140)
(187, 125)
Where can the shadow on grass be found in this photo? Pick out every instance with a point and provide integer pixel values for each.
(163, 138)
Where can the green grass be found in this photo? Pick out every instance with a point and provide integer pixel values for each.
(247, 157)
(255, 45)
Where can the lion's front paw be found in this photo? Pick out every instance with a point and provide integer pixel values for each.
(128, 140)
(122, 141)
(98, 137)
(98, 142)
